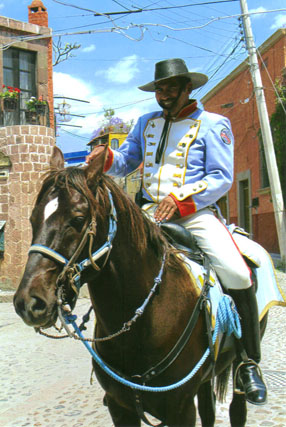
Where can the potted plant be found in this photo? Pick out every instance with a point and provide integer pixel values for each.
(10, 96)
(36, 105)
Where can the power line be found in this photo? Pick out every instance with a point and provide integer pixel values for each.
(139, 58)
(117, 2)
(193, 45)
(76, 135)
(221, 65)
(90, 25)
(189, 14)
(119, 106)
(144, 10)
(121, 30)
(143, 25)
(273, 85)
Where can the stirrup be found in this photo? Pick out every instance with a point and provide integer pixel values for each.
(252, 385)
(243, 363)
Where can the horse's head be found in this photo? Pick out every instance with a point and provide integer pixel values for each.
(62, 213)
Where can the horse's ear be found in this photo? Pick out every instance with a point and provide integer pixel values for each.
(96, 163)
(57, 159)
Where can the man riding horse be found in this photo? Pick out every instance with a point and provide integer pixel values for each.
(187, 156)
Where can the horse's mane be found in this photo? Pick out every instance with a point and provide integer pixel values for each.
(143, 234)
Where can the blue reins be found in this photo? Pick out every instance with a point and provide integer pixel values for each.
(227, 322)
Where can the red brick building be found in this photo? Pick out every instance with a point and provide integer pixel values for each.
(25, 148)
(249, 203)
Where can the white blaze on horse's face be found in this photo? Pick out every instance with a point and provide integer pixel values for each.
(51, 207)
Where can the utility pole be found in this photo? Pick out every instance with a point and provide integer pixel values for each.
(275, 186)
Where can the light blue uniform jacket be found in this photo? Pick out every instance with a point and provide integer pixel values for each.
(197, 160)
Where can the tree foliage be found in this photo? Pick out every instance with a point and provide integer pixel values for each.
(63, 52)
(112, 123)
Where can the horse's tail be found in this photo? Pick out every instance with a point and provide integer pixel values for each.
(221, 384)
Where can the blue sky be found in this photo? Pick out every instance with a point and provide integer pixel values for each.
(118, 51)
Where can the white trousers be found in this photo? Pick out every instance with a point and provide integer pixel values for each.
(217, 243)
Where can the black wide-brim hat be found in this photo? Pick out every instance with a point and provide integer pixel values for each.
(175, 67)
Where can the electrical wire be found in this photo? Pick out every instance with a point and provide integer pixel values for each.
(272, 83)
(121, 30)
(74, 134)
(192, 14)
(140, 10)
(196, 46)
(119, 107)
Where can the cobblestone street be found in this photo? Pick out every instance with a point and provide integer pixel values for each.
(46, 382)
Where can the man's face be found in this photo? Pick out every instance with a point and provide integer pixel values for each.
(172, 94)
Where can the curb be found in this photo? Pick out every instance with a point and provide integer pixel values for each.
(6, 296)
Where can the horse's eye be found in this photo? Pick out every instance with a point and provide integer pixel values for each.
(78, 222)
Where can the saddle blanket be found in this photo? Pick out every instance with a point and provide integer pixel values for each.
(268, 292)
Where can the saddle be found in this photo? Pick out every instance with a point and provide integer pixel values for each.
(183, 240)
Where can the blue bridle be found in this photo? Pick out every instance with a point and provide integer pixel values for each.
(74, 269)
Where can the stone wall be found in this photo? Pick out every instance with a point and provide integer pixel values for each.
(29, 149)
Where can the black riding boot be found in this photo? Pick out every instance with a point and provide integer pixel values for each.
(249, 377)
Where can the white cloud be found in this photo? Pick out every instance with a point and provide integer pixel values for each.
(1, 5)
(68, 85)
(123, 71)
(99, 98)
(89, 48)
(279, 22)
(255, 12)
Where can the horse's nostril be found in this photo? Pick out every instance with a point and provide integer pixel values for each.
(19, 306)
(38, 304)
(32, 308)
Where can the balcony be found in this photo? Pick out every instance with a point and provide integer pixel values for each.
(12, 113)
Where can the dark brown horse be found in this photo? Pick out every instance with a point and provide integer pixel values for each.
(72, 207)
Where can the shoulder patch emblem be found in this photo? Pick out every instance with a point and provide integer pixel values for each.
(226, 136)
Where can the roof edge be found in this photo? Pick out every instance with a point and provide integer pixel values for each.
(23, 27)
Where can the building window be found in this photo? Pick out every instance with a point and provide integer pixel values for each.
(19, 70)
(114, 143)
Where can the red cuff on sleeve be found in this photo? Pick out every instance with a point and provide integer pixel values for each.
(109, 160)
(186, 207)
